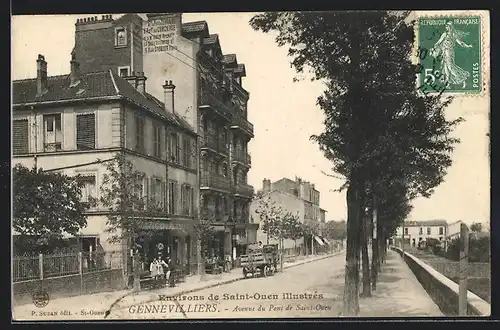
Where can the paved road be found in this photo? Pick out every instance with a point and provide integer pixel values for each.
(311, 290)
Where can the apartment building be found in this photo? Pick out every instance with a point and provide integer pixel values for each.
(298, 197)
(417, 231)
(209, 97)
(75, 123)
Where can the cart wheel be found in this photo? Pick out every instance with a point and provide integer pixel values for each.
(245, 274)
(265, 271)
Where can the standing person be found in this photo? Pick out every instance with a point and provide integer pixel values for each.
(153, 269)
(164, 269)
(170, 276)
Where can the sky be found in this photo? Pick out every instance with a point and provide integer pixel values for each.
(285, 115)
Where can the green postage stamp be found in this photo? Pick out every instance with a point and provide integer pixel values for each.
(450, 54)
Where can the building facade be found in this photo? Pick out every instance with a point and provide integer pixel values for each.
(76, 123)
(185, 60)
(417, 231)
(298, 197)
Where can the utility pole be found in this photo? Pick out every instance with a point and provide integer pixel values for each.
(464, 266)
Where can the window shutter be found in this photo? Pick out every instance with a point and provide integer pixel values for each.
(20, 137)
(163, 194)
(85, 131)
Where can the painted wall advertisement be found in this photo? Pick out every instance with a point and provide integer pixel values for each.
(160, 34)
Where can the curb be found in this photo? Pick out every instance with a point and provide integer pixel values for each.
(217, 284)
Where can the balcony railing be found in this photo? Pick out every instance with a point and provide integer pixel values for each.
(213, 144)
(244, 189)
(238, 122)
(210, 143)
(242, 158)
(208, 98)
(214, 181)
(241, 218)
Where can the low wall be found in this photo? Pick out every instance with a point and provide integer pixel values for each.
(71, 285)
(442, 290)
(452, 268)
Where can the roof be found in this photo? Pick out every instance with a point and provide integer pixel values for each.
(96, 86)
(426, 223)
(197, 26)
(229, 59)
(240, 69)
(211, 39)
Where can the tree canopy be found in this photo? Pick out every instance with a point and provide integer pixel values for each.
(46, 205)
(380, 133)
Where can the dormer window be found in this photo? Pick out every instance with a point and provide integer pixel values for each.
(120, 37)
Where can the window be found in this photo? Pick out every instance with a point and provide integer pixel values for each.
(139, 133)
(428, 230)
(20, 141)
(120, 37)
(186, 151)
(171, 198)
(123, 71)
(157, 139)
(52, 132)
(159, 193)
(174, 148)
(145, 191)
(421, 231)
(406, 231)
(88, 188)
(441, 230)
(186, 199)
(191, 201)
(85, 131)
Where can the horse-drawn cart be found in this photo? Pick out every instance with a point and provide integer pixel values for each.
(260, 261)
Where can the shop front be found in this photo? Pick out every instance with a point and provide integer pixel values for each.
(167, 239)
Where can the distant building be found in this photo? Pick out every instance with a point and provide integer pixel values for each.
(454, 230)
(298, 197)
(417, 231)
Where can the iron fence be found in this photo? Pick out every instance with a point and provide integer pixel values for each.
(45, 266)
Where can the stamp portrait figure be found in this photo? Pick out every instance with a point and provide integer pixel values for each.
(445, 48)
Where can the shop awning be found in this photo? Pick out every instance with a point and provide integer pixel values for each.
(326, 241)
(320, 242)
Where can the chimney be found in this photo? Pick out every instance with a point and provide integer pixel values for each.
(169, 96)
(132, 79)
(266, 186)
(41, 75)
(75, 72)
(141, 82)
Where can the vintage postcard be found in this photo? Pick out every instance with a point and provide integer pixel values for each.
(250, 165)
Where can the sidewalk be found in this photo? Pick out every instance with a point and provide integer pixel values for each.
(119, 299)
(398, 293)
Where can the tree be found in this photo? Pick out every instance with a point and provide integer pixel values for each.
(309, 230)
(269, 213)
(205, 233)
(476, 227)
(372, 108)
(46, 205)
(336, 230)
(123, 195)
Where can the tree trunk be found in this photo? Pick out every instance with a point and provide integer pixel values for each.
(364, 254)
(375, 246)
(351, 285)
(200, 261)
(282, 256)
(380, 248)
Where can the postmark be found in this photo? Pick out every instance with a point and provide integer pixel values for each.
(450, 52)
(41, 298)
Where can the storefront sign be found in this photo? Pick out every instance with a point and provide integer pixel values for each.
(160, 34)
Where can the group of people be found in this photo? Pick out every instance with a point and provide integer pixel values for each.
(161, 271)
